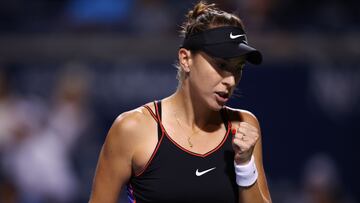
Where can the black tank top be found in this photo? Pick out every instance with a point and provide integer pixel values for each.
(176, 175)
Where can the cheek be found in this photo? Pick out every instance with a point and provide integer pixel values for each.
(211, 78)
(204, 82)
(206, 74)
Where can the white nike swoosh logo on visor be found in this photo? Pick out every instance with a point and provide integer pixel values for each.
(198, 173)
(235, 36)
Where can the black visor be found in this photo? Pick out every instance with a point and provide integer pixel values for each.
(223, 42)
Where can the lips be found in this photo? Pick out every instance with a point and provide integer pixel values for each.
(222, 97)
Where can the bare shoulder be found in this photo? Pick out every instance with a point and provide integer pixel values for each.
(241, 115)
(128, 127)
(130, 120)
(119, 157)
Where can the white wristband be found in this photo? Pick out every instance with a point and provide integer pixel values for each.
(247, 174)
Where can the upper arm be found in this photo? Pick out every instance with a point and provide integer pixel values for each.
(251, 119)
(114, 166)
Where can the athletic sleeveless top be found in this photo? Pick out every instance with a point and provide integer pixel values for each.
(176, 175)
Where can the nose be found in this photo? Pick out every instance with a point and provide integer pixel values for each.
(229, 79)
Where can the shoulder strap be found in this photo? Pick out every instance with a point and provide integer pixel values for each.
(156, 117)
(225, 118)
(151, 113)
(157, 105)
(158, 109)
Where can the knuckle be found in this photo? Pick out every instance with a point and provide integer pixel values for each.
(236, 142)
(238, 135)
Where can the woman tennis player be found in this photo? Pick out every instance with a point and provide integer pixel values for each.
(190, 147)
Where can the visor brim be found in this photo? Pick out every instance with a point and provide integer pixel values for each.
(233, 50)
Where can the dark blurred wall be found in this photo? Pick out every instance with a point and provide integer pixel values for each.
(306, 94)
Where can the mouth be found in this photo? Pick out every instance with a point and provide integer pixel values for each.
(223, 95)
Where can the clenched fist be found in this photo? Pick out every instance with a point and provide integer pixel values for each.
(244, 140)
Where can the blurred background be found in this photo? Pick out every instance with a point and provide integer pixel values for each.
(69, 67)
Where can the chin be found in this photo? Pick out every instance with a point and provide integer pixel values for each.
(216, 106)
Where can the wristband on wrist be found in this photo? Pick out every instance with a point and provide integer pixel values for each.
(247, 174)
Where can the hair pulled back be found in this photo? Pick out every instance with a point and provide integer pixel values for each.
(202, 17)
(206, 16)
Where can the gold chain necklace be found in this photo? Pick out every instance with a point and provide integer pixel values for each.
(188, 137)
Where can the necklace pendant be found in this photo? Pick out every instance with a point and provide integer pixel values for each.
(190, 144)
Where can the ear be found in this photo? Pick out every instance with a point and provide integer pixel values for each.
(185, 59)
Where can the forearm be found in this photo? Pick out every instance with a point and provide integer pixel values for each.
(252, 194)
(252, 183)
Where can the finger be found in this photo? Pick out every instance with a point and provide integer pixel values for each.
(245, 140)
(246, 130)
(248, 140)
(241, 132)
(248, 133)
(248, 136)
(233, 131)
(247, 125)
(241, 147)
(245, 134)
(239, 135)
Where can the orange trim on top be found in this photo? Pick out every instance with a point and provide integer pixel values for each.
(152, 156)
(151, 112)
(157, 112)
(164, 132)
(157, 145)
(229, 125)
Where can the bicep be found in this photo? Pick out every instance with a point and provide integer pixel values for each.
(113, 168)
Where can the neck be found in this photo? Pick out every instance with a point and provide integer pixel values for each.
(192, 112)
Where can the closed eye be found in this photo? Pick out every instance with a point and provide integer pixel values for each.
(234, 66)
(221, 65)
(229, 66)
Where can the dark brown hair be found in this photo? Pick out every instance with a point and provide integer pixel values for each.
(205, 16)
